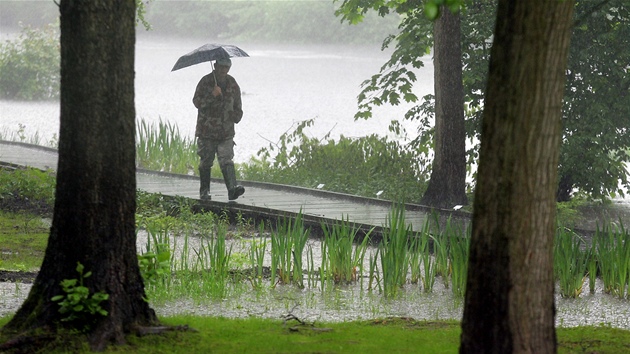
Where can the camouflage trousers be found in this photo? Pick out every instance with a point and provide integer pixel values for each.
(208, 148)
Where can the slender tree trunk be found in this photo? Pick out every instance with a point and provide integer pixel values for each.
(509, 303)
(447, 186)
(93, 220)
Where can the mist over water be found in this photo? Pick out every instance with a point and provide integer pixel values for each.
(281, 85)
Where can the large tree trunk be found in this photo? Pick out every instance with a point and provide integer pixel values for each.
(447, 186)
(93, 220)
(509, 303)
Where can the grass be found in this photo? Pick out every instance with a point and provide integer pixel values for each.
(23, 239)
(185, 278)
(388, 335)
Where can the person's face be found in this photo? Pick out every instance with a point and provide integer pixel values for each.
(221, 70)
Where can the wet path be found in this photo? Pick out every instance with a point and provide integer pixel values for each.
(261, 200)
(270, 201)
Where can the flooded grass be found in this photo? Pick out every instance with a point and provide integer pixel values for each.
(252, 288)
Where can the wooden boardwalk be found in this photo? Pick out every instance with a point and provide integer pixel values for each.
(261, 201)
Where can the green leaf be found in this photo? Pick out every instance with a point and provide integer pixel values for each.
(431, 10)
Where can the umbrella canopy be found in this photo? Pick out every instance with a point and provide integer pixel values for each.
(209, 52)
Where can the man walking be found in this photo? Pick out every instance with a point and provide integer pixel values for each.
(218, 102)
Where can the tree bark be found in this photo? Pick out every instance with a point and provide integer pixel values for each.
(447, 185)
(94, 213)
(509, 302)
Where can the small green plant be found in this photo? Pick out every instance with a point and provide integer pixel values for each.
(154, 266)
(77, 303)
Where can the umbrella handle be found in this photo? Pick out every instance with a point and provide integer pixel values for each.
(213, 74)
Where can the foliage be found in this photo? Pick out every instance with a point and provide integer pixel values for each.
(27, 189)
(77, 303)
(154, 263)
(266, 21)
(377, 165)
(597, 94)
(597, 102)
(141, 11)
(29, 65)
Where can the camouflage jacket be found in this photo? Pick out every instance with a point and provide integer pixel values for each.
(216, 116)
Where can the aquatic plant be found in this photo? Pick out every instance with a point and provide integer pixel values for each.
(570, 262)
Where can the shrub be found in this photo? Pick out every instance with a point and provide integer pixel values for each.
(29, 65)
(363, 166)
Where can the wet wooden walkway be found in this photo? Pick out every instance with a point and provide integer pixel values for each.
(261, 201)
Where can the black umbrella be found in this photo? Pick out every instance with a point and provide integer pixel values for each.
(209, 52)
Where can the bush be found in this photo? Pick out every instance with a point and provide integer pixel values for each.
(27, 190)
(363, 166)
(29, 65)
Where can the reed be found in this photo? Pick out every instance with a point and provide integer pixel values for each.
(393, 252)
(343, 258)
(415, 260)
(287, 247)
(613, 254)
(428, 272)
(592, 266)
(161, 147)
(458, 258)
(374, 277)
(257, 250)
(213, 260)
(570, 262)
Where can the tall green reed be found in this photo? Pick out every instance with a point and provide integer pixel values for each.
(393, 252)
(570, 262)
(592, 266)
(257, 251)
(213, 259)
(287, 246)
(343, 258)
(161, 147)
(613, 254)
(459, 246)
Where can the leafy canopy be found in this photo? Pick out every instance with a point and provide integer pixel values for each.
(596, 139)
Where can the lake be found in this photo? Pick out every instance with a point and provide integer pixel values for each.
(281, 85)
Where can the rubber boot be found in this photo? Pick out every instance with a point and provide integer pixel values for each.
(204, 187)
(229, 175)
